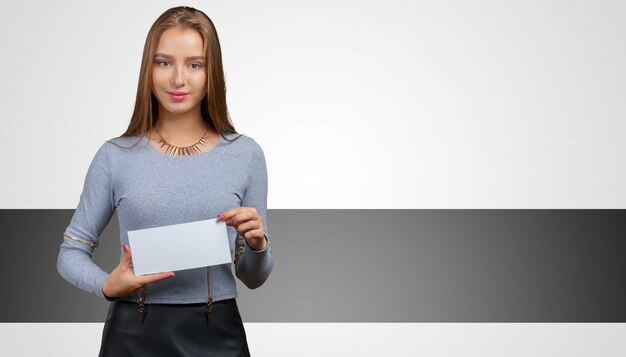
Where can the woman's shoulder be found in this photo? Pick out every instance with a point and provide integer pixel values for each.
(124, 142)
(242, 142)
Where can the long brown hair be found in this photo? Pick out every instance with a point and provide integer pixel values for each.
(213, 105)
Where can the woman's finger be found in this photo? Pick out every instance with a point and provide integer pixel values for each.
(242, 217)
(255, 233)
(248, 226)
(236, 212)
(126, 258)
(151, 278)
(224, 216)
(256, 239)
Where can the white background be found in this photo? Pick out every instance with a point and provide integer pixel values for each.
(357, 104)
(349, 339)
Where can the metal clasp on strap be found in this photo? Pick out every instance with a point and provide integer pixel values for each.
(238, 253)
(209, 308)
(141, 309)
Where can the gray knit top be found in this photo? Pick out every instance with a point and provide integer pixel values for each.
(150, 189)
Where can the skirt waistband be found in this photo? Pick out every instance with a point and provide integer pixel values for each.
(225, 301)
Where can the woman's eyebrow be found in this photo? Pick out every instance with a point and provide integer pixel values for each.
(188, 58)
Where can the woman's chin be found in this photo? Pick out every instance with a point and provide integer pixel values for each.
(177, 110)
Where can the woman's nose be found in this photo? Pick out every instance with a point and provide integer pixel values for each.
(179, 76)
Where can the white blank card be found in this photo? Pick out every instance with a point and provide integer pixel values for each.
(179, 246)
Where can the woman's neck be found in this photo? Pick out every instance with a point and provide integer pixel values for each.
(181, 129)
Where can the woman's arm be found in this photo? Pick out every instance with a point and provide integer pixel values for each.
(254, 266)
(81, 236)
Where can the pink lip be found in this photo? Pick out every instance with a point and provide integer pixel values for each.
(178, 96)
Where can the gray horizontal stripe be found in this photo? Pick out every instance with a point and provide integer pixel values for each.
(371, 266)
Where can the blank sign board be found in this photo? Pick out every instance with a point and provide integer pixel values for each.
(179, 246)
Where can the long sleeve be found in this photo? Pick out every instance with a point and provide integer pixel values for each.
(81, 237)
(254, 267)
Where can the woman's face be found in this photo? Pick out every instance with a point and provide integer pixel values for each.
(179, 74)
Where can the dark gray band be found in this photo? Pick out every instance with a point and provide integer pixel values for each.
(371, 266)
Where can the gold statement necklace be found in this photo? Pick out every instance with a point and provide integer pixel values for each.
(182, 150)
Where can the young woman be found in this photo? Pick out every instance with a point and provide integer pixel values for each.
(180, 160)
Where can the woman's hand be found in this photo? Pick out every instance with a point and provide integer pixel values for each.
(122, 281)
(248, 223)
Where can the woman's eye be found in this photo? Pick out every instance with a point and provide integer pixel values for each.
(162, 63)
(197, 65)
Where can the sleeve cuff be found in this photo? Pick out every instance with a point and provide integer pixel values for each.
(109, 298)
(102, 291)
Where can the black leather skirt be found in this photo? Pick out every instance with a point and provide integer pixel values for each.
(174, 330)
